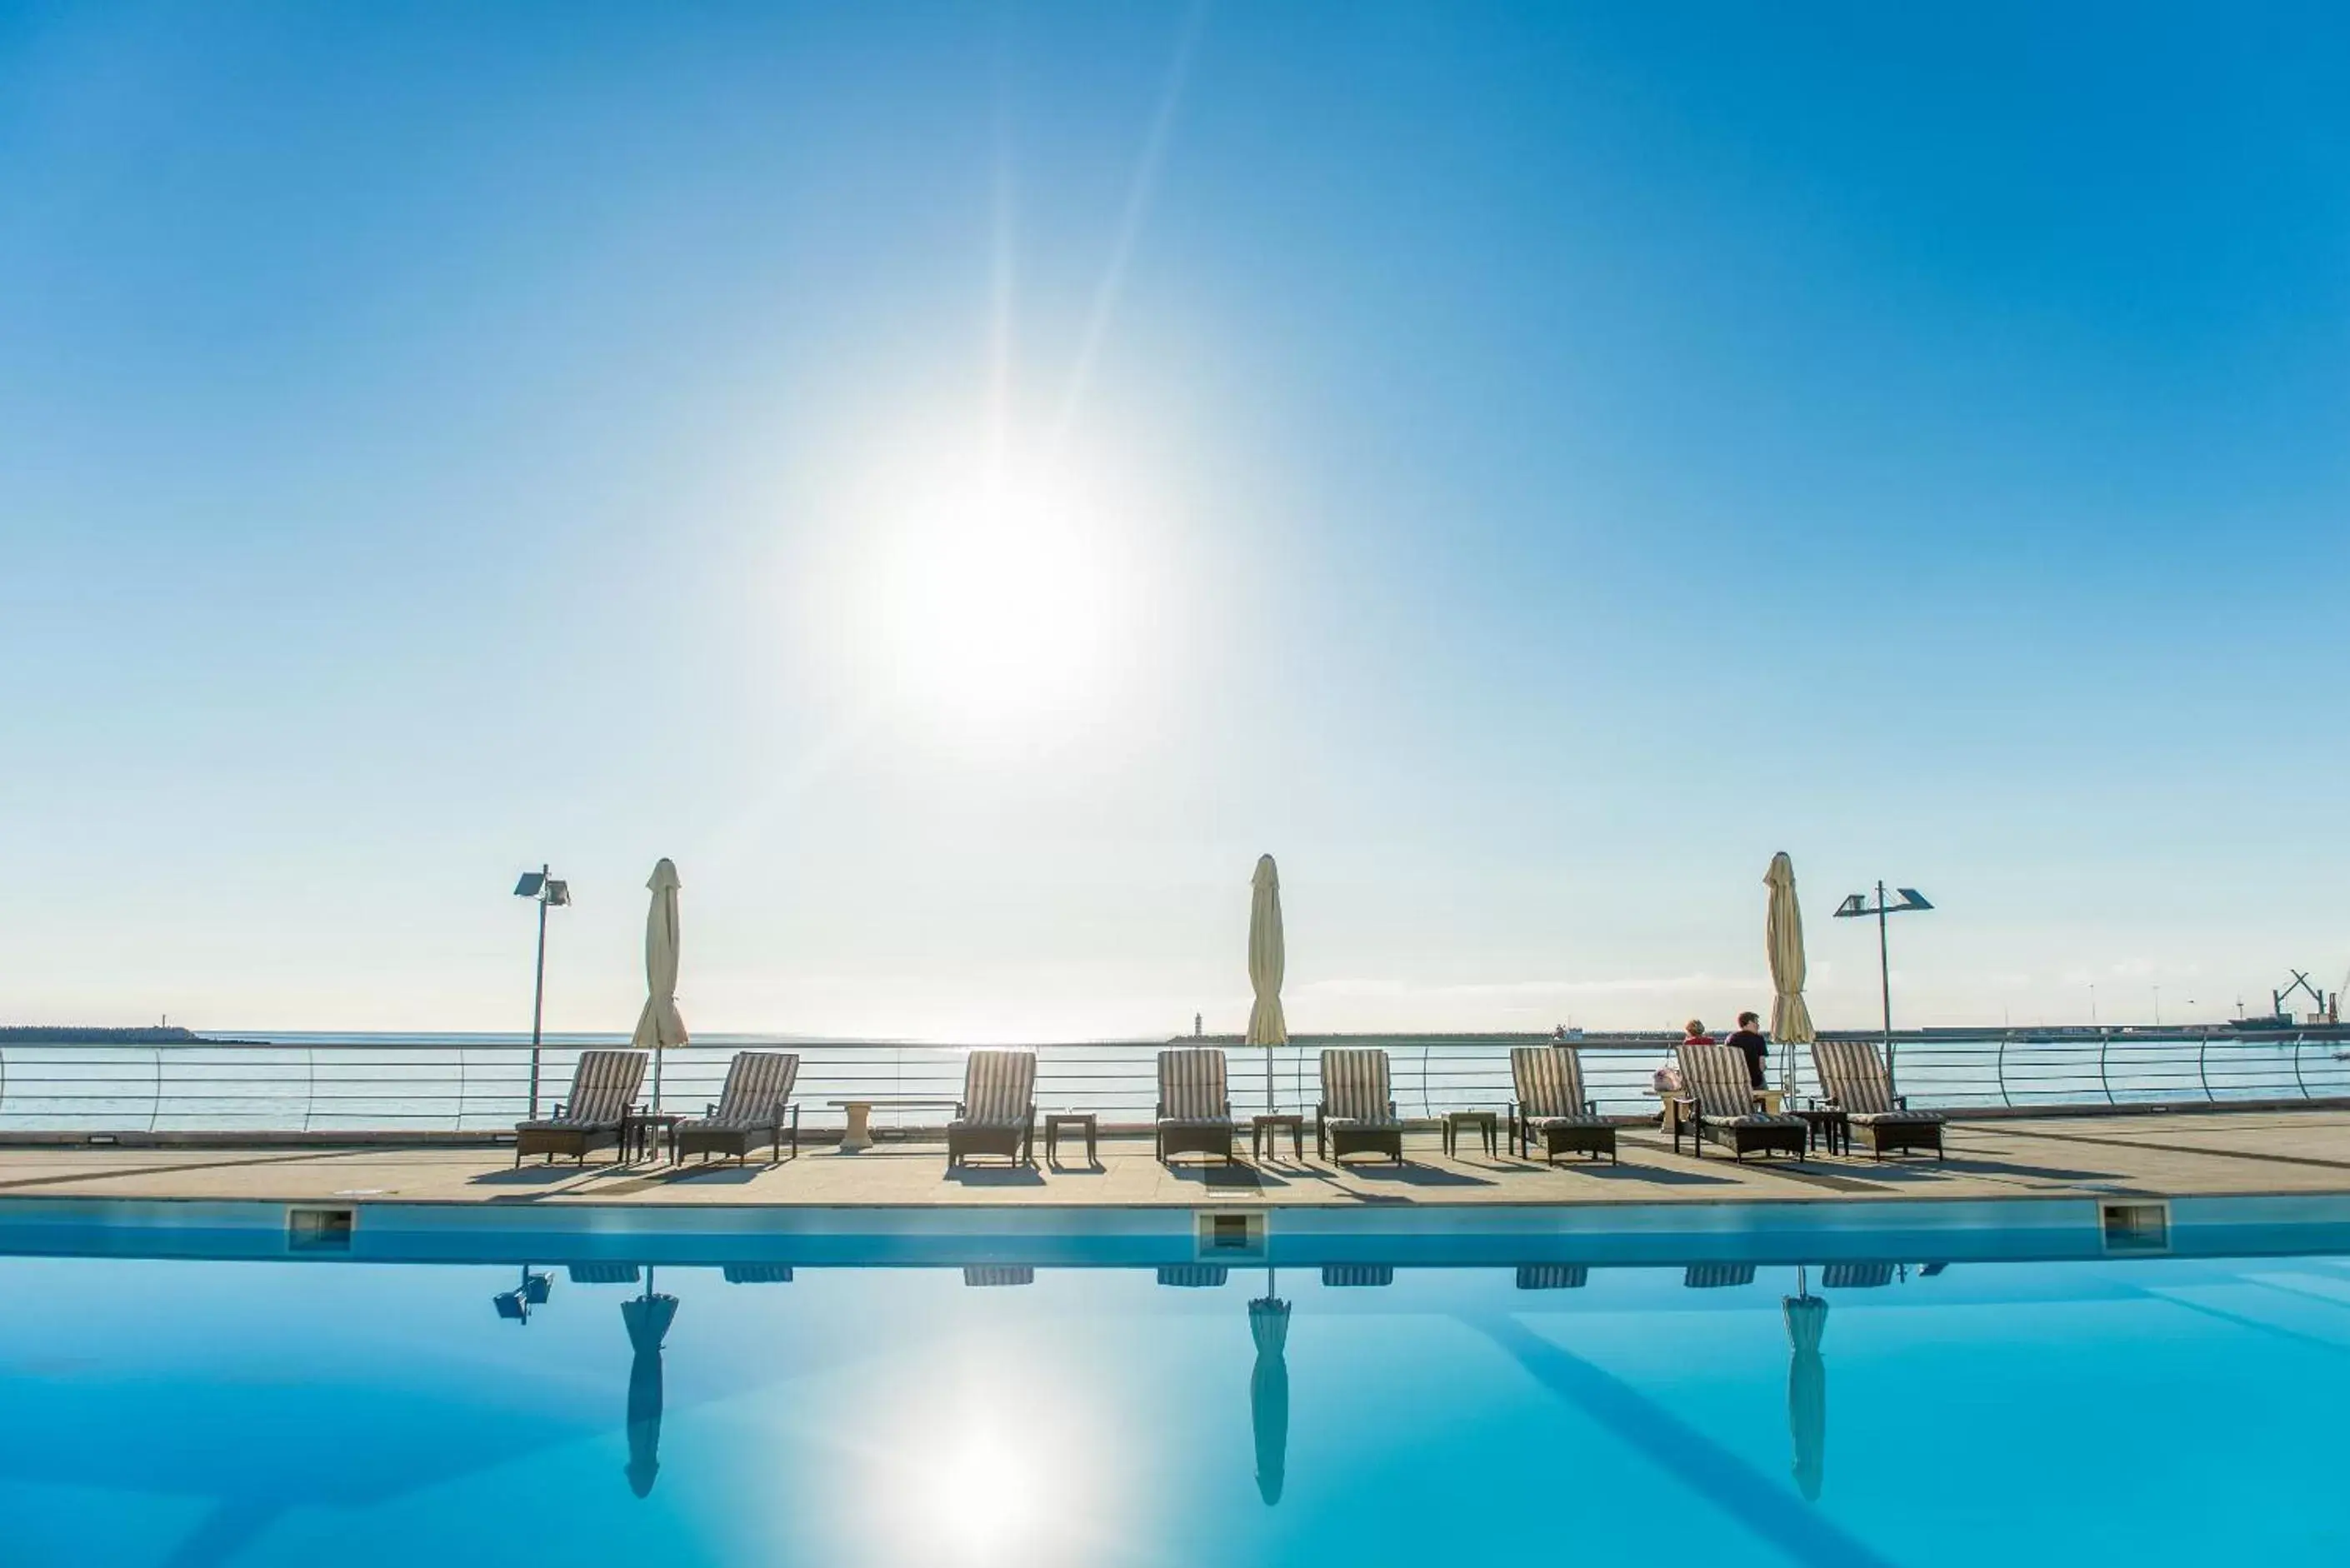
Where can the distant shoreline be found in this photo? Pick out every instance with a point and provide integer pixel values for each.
(91, 1034)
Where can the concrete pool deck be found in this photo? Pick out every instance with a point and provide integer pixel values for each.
(2173, 1155)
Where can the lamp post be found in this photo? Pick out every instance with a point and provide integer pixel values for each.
(1856, 905)
(543, 890)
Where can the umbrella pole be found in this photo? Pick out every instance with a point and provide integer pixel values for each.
(657, 1054)
(1268, 1081)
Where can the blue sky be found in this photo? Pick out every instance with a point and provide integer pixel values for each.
(964, 480)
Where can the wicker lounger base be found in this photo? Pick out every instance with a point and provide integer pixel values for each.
(1017, 1144)
(1345, 1140)
(1176, 1139)
(1894, 1137)
(1743, 1141)
(576, 1142)
(1593, 1141)
(739, 1142)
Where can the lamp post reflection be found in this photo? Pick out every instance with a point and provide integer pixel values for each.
(1269, 1390)
(514, 1305)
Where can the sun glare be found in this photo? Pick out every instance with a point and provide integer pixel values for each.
(1003, 598)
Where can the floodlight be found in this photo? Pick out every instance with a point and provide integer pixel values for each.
(1856, 905)
(532, 881)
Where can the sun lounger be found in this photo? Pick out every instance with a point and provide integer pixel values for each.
(757, 1273)
(752, 1110)
(1195, 1110)
(1552, 1276)
(603, 1091)
(1721, 1109)
(602, 1274)
(1549, 1083)
(1853, 1077)
(997, 1113)
(1357, 1113)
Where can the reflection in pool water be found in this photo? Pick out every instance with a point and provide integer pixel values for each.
(268, 1413)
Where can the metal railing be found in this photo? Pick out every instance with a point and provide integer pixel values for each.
(323, 1084)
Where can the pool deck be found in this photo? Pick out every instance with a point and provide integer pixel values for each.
(2176, 1154)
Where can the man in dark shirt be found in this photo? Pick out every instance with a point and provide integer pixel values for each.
(1749, 1041)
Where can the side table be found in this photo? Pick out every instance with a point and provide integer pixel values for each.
(1057, 1122)
(1826, 1126)
(641, 1132)
(1270, 1125)
(1483, 1122)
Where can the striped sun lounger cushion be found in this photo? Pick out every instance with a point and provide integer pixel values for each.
(1854, 1077)
(1337, 1275)
(1552, 1276)
(757, 1273)
(1192, 1276)
(998, 1274)
(758, 1087)
(1715, 1276)
(1549, 1081)
(1716, 1076)
(1354, 1089)
(1192, 1087)
(603, 1087)
(999, 1090)
(602, 1273)
(1856, 1276)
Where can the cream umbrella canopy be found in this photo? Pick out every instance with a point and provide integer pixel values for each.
(1266, 1026)
(1791, 1021)
(660, 1027)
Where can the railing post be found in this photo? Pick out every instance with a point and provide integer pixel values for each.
(1999, 1066)
(2297, 1081)
(459, 1125)
(155, 1105)
(2105, 1042)
(309, 1085)
(2202, 1067)
(1892, 1075)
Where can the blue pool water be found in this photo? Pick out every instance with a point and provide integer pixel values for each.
(297, 1411)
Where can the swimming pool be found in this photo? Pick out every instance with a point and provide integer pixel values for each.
(251, 1410)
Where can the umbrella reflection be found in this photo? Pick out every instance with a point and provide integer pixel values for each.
(1269, 1390)
(1808, 1387)
(648, 1317)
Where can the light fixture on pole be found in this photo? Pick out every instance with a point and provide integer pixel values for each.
(544, 891)
(1857, 905)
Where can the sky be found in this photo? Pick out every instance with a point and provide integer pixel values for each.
(964, 480)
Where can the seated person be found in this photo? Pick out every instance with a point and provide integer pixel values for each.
(1749, 1042)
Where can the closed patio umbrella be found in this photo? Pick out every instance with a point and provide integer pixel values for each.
(1269, 1390)
(1266, 1026)
(1807, 1388)
(660, 1027)
(1791, 1021)
(648, 1319)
